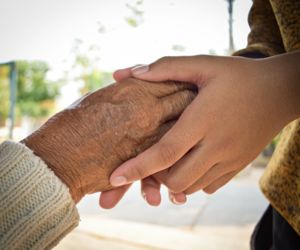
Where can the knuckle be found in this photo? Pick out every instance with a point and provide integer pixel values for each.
(164, 60)
(210, 190)
(205, 183)
(175, 185)
(168, 153)
(144, 119)
(189, 191)
(139, 172)
(172, 185)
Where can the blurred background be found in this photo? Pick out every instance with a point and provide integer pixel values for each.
(53, 51)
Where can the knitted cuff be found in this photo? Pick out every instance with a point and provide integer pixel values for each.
(36, 208)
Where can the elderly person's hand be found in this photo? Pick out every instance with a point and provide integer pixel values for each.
(84, 143)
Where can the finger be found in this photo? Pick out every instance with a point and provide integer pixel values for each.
(157, 135)
(122, 74)
(163, 88)
(185, 69)
(108, 199)
(213, 187)
(150, 189)
(189, 169)
(177, 198)
(171, 147)
(173, 105)
(209, 177)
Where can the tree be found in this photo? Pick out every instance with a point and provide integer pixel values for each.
(85, 60)
(35, 94)
(136, 17)
(4, 94)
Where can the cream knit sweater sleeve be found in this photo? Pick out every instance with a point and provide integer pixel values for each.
(36, 208)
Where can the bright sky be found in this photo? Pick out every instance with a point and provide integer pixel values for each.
(35, 29)
(46, 30)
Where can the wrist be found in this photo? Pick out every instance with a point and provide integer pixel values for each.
(287, 71)
(55, 155)
(281, 74)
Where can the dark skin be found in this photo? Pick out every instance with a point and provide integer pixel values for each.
(84, 143)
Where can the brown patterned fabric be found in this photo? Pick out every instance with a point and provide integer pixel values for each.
(264, 36)
(287, 14)
(275, 29)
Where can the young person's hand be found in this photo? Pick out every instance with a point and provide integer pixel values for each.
(84, 143)
(242, 104)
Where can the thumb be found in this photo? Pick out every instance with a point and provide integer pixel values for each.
(183, 69)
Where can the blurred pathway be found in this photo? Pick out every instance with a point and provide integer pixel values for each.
(221, 221)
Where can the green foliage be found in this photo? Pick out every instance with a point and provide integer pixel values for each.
(136, 17)
(94, 80)
(35, 94)
(4, 93)
(85, 63)
(131, 22)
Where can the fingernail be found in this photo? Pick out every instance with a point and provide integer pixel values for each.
(118, 181)
(176, 202)
(140, 69)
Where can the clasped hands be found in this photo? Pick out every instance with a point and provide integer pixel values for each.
(241, 105)
(161, 132)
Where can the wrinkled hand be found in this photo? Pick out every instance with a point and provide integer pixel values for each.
(242, 104)
(84, 143)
